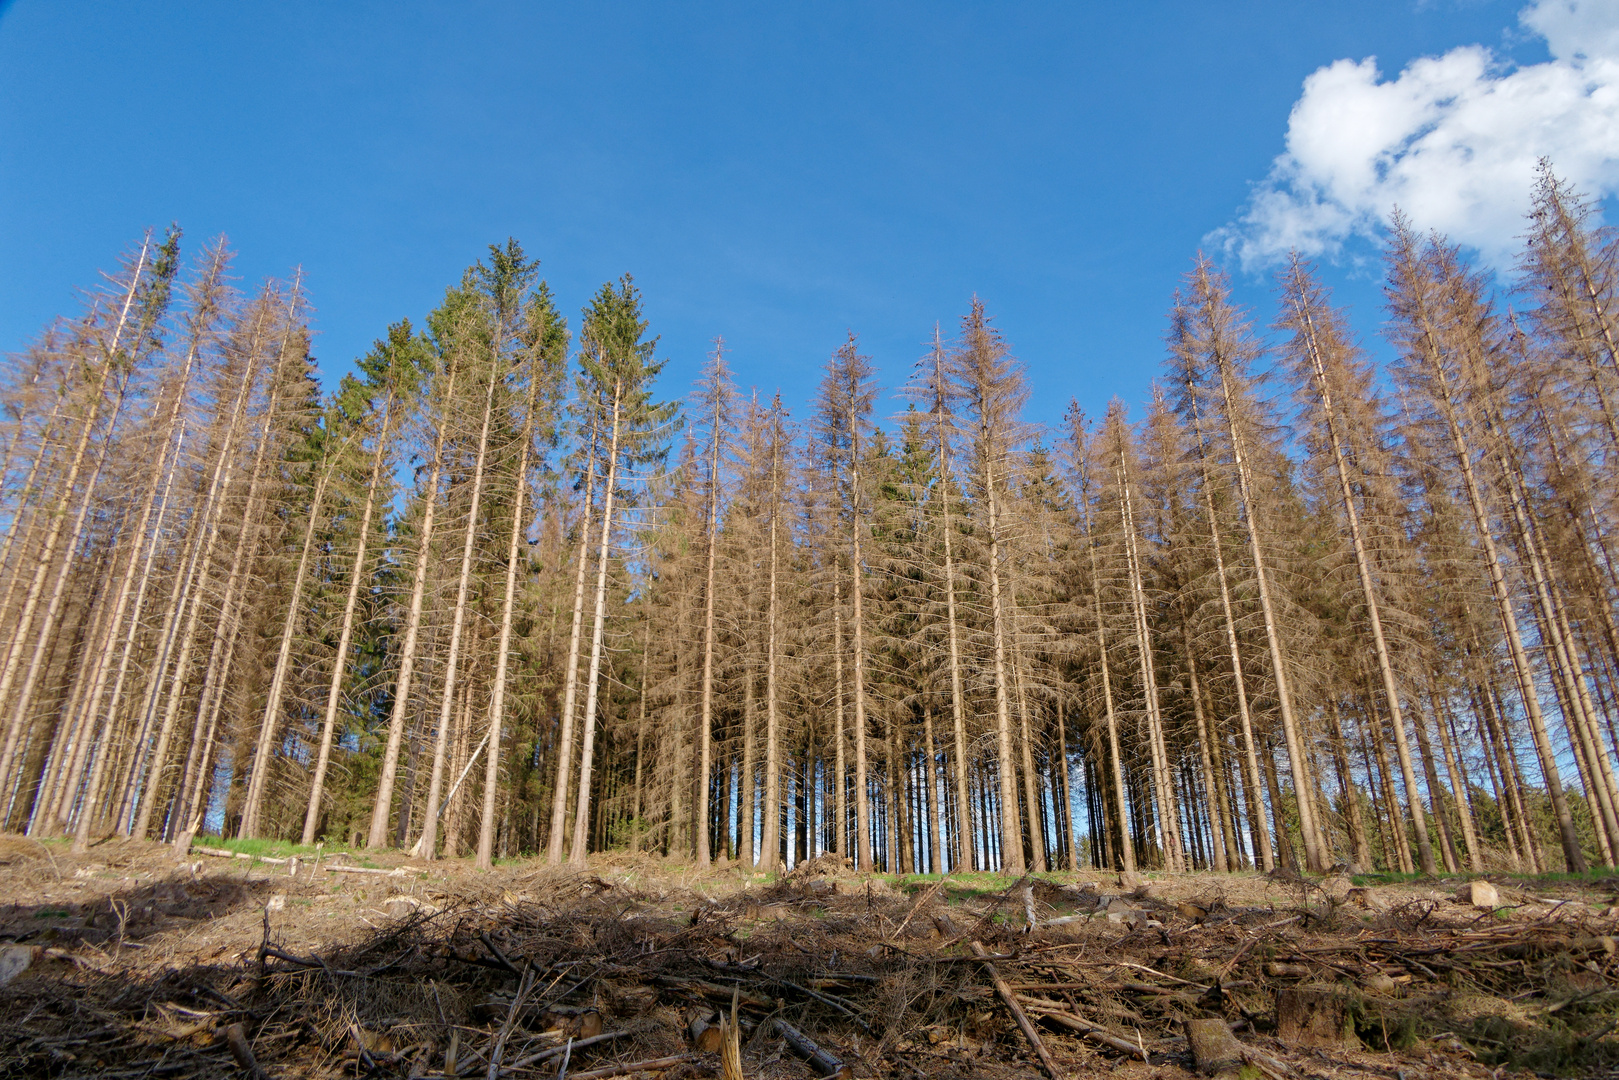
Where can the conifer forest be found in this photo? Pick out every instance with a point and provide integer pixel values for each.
(504, 590)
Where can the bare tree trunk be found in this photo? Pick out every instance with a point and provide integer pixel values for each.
(427, 843)
(931, 775)
(1391, 690)
(1069, 839)
(497, 695)
(862, 806)
(345, 637)
(958, 710)
(1162, 784)
(1126, 852)
(1205, 757)
(1256, 820)
(842, 766)
(1284, 695)
(1031, 784)
(570, 686)
(383, 807)
(705, 738)
(1354, 817)
(278, 681)
(1011, 827)
(582, 811)
(768, 842)
(1458, 784)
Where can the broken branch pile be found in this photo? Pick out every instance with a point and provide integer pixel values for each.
(584, 977)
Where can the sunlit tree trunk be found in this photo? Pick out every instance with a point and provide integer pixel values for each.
(427, 844)
(345, 637)
(570, 686)
(1303, 300)
(383, 807)
(588, 734)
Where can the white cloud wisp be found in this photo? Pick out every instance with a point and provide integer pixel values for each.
(1452, 141)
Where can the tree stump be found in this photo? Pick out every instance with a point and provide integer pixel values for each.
(1314, 1016)
(1214, 1048)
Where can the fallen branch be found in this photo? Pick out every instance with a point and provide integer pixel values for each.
(655, 1064)
(302, 961)
(398, 871)
(713, 989)
(1061, 1014)
(920, 900)
(523, 988)
(1016, 1010)
(483, 936)
(828, 1065)
(557, 1051)
(828, 999)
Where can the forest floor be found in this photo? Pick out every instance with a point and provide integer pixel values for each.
(131, 961)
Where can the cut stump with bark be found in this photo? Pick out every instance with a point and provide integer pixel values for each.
(1314, 1016)
(1214, 1048)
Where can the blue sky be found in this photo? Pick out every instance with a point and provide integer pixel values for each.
(777, 174)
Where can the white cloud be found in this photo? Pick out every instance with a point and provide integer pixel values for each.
(1452, 141)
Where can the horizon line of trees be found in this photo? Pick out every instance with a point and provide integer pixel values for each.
(494, 593)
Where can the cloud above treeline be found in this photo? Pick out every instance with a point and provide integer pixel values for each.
(1452, 141)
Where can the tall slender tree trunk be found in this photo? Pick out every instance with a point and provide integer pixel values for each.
(1162, 782)
(508, 604)
(1205, 757)
(1284, 695)
(1256, 819)
(1354, 817)
(582, 812)
(705, 735)
(857, 620)
(1011, 827)
(345, 637)
(1459, 785)
(842, 765)
(1391, 690)
(570, 686)
(382, 809)
(772, 785)
(427, 844)
(1126, 856)
(278, 681)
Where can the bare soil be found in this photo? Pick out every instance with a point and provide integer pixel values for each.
(132, 961)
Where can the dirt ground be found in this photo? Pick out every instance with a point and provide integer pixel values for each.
(133, 961)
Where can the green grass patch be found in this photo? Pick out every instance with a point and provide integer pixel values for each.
(277, 849)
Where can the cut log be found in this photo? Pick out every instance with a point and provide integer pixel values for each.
(705, 1033)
